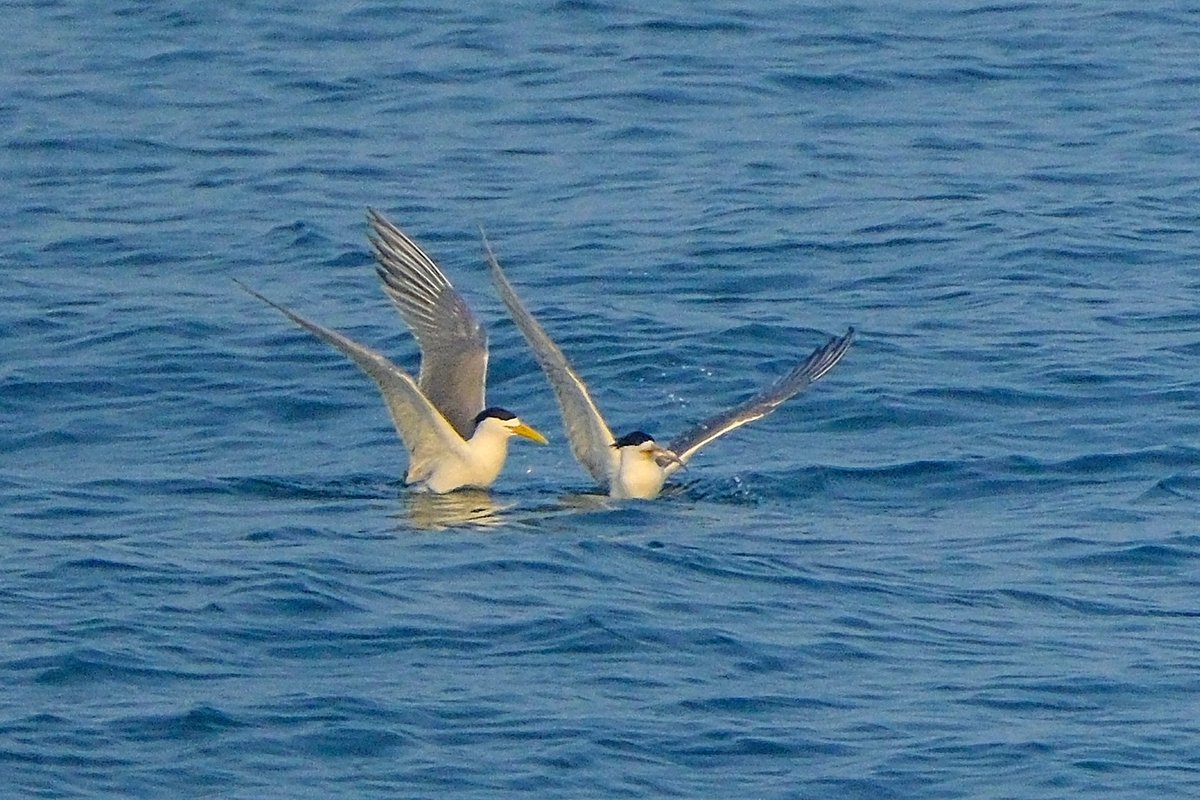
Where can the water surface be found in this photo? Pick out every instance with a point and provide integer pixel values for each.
(963, 565)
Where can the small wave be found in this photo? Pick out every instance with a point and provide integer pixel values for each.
(349, 741)
(200, 721)
(84, 666)
(679, 25)
(290, 598)
(1046, 600)
(971, 477)
(827, 82)
(1175, 487)
(1146, 556)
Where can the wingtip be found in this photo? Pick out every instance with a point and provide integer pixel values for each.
(841, 343)
(487, 246)
(282, 309)
(829, 356)
(497, 274)
(380, 225)
(245, 288)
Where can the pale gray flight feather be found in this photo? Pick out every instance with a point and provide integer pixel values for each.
(589, 435)
(822, 360)
(453, 344)
(426, 433)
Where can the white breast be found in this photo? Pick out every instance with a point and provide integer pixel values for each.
(637, 476)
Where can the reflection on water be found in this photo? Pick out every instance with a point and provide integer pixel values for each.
(474, 509)
(467, 508)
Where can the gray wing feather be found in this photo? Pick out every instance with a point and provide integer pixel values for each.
(589, 435)
(425, 432)
(453, 344)
(822, 360)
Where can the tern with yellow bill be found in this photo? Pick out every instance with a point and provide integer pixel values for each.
(453, 441)
(635, 466)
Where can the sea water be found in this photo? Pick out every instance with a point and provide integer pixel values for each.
(964, 564)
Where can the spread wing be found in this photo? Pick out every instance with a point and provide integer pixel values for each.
(425, 432)
(591, 440)
(822, 360)
(453, 344)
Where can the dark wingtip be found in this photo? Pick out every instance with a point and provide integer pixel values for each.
(245, 288)
(378, 223)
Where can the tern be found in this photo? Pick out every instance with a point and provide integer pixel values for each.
(634, 465)
(453, 440)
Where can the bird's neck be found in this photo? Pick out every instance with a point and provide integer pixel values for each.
(488, 448)
(638, 477)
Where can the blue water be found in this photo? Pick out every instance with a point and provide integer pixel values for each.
(965, 564)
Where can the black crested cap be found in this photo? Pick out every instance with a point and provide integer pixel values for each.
(633, 439)
(494, 411)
